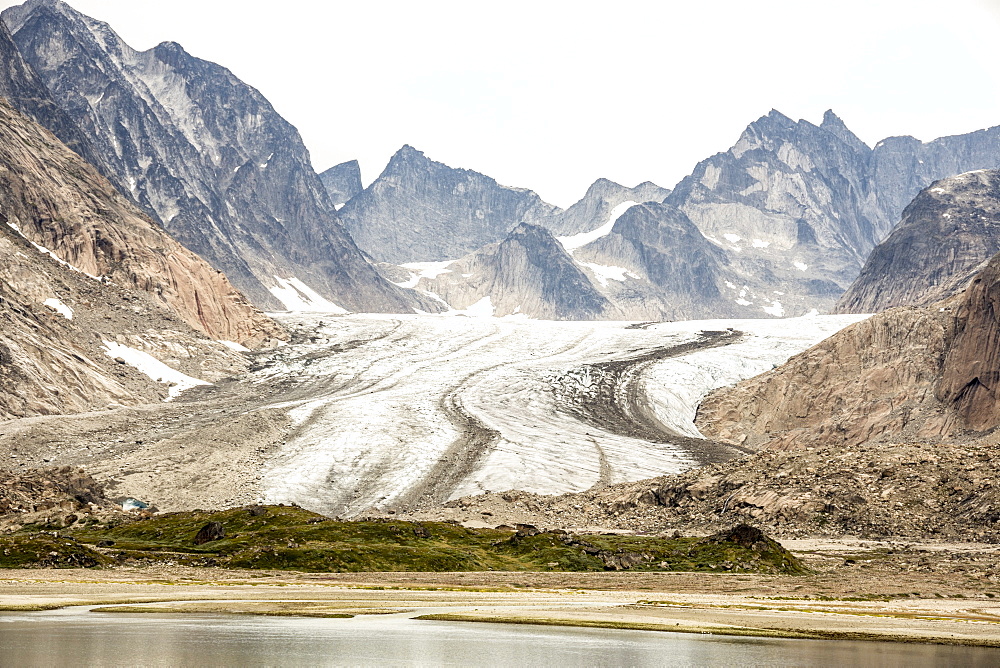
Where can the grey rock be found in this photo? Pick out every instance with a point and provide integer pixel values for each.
(527, 273)
(597, 205)
(790, 197)
(342, 181)
(667, 269)
(419, 210)
(947, 235)
(205, 154)
(27, 93)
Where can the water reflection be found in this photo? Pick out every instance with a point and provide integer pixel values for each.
(76, 637)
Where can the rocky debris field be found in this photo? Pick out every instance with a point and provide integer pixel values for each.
(54, 497)
(902, 491)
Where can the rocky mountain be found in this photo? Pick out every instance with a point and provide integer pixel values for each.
(803, 205)
(26, 92)
(779, 225)
(208, 157)
(909, 373)
(87, 279)
(946, 236)
(342, 182)
(603, 202)
(654, 264)
(790, 198)
(419, 210)
(527, 273)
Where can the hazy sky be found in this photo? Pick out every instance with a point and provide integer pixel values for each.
(552, 95)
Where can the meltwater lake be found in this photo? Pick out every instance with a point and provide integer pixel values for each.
(78, 637)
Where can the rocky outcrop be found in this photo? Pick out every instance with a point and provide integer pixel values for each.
(26, 92)
(208, 157)
(791, 200)
(947, 234)
(970, 382)
(655, 264)
(419, 210)
(873, 380)
(59, 202)
(57, 497)
(904, 374)
(342, 182)
(85, 273)
(527, 273)
(602, 204)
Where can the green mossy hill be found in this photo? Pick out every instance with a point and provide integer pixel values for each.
(48, 549)
(287, 537)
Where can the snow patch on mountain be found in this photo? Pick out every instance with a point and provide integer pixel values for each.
(59, 307)
(571, 243)
(297, 296)
(605, 273)
(152, 367)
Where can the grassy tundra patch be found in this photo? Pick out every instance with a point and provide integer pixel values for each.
(291, 538)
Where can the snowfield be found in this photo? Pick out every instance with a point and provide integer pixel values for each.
(400, 411)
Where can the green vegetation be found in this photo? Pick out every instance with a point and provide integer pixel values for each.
(47, 549)
(290, 538)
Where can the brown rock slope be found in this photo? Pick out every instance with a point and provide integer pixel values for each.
(946, 235)
(60, 202)
(907, 373)
(59, 222)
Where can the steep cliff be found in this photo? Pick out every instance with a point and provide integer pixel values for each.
(86, 279)
(208, 157)
(419, 210)
(946, 236)
(342, 182)
(59, 202)
(26, 92)
(907, 373)
(527, 273)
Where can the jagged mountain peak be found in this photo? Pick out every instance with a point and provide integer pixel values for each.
(421, 210)
(833, 124)
(209, 157)
(342, 181)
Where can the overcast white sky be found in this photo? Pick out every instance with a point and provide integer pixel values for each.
(551, 95)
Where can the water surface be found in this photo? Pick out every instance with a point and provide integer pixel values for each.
(77, 637)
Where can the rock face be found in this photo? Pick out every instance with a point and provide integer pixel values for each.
(342, 182)
(83, 271)
(527, 273)
(599, 206)
(27, 93)
(792, 199)
(946, 236)
(872, 380)
(419, 210)
(207, 156)
(59, 202)
(970, 383)
(907, 373)
(801, 206)
(655, 264)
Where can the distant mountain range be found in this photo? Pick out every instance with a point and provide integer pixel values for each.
(778, 225)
